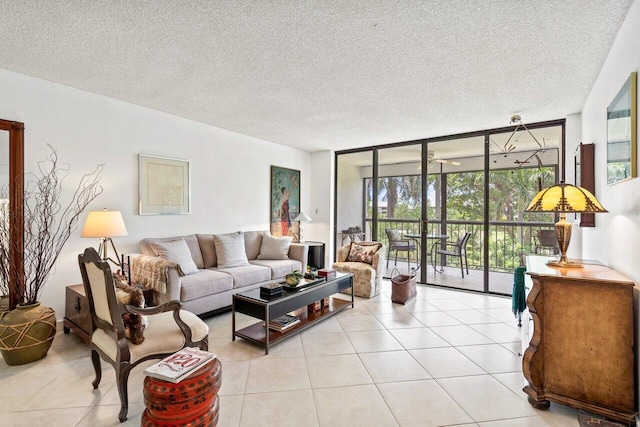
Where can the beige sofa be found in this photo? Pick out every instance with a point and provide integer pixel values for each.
(367, 278)
(209, 286)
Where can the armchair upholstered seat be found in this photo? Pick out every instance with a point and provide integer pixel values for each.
(169, 329)
(367, 278)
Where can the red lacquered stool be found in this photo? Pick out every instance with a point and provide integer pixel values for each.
(192, 402)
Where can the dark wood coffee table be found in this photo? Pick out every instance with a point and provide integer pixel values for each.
(294, 302)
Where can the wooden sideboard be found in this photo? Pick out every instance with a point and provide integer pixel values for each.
(582, 349)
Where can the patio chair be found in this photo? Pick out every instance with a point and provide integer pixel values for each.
(397, 243)
(547, 241)
(457, 249)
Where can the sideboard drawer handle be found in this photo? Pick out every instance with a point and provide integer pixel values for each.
(77, 307)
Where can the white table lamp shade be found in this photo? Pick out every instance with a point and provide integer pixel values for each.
(302, 217)
(104, 224)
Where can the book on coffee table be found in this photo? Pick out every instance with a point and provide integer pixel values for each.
(179, 365)
(283, 322)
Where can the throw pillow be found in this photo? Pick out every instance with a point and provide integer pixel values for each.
(363, 253)
(230, 250)
(176, 251)
(274, 247)
(134, 324)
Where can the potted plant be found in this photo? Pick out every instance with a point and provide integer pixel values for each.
(26, 332)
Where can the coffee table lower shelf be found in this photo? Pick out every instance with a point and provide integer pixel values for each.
(250, 303)
(256, 332)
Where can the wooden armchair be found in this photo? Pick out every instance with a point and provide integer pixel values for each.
(169, 329)
(457, 249)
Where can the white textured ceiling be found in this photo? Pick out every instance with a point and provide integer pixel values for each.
(325, 74)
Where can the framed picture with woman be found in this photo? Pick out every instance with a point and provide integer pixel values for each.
(285, 201)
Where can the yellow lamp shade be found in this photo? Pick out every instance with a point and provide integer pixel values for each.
(565, 198)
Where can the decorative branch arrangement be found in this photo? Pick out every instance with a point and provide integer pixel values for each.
(4, 228)
(48, 224)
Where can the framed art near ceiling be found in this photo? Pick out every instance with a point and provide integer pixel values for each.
(285, 201)
(164, 186)
(621, 133)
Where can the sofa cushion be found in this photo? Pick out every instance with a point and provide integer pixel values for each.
(203, 283)
(274, 247)
(247, 275)
(252, 243)
(208, 249)
(176, 251)
(230, 250)
(279, 268)
(190, 240)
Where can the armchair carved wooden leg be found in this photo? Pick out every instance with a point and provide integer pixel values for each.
(122, 374)
(95, 359)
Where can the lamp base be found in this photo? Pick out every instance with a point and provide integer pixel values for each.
(564, 264)
(563, 233)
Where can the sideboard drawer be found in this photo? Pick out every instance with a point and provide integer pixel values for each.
(76, 313)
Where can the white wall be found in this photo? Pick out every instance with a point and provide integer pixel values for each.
(573, 138)
(616, 238)
(230, 172)
(321, 202)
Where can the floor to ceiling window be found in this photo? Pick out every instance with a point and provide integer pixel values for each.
(349, 197)
(458, 260)
(447, 203)
(521, 164)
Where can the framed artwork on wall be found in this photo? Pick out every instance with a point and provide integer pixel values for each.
(285, 201)
(163, 186)
(622, 115)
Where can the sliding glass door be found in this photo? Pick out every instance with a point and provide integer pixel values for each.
(351, 204)
(456, 252)
(521, 164)
(399, 213)
(451, 207)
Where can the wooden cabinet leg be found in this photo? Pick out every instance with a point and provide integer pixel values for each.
(539, 404)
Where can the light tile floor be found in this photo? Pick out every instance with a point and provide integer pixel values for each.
(449, 358)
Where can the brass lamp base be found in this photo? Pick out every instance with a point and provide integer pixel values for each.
(563, 233)
(563, 264)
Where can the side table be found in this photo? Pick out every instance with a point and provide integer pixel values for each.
(316, 254)
(76, 313)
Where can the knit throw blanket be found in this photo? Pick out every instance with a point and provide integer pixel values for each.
(152, 272)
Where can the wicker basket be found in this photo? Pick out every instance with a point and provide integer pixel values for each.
(403, 287)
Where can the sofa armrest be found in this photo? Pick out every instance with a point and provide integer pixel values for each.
(299, 252)
(155, 273)
(174, 285)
